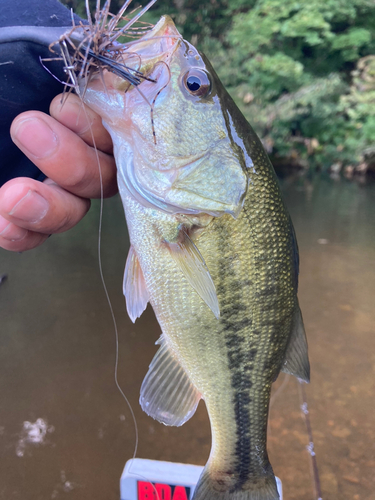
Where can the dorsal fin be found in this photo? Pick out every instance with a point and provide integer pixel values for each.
(191, 263)
(296, 360)
(134, 286)
(167, 393)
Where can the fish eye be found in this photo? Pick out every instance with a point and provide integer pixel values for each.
(197, 82)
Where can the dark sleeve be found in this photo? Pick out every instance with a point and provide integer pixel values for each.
(26, 29)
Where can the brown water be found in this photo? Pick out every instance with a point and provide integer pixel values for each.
(57, 354)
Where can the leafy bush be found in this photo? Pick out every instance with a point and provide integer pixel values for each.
(302, 63)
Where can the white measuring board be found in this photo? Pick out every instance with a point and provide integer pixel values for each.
(141, 479)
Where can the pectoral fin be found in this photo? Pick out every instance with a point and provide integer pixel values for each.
(193, 266)
(167, 394)
(296, 359)
(134, 287)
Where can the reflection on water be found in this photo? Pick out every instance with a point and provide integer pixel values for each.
(65, 429)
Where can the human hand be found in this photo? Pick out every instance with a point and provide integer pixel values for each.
(61, 146)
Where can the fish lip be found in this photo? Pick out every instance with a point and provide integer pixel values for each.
(160, 30)
(161, 42)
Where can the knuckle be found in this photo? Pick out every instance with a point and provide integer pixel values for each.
(78, 178)
(32, 240)
(63, 224)
(72, 216)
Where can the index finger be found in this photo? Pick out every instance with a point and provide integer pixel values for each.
(63, 156)
(74, 114)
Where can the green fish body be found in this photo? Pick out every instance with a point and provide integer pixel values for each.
(213, 250)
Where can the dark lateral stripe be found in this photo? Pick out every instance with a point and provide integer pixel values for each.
(233, 329)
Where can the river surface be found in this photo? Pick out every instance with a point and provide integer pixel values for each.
(65, 429)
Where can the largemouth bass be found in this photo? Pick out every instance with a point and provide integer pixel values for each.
(212, 249)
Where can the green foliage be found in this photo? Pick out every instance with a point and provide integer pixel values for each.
(298, 76)
(351, 42)
(302, 71)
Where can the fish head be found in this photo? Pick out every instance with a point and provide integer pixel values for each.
(175, 141)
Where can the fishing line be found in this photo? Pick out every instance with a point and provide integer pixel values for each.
(306, 417)
(279, 390)
(70, 70)
(310, 447)
(156, 96)
(114, 321)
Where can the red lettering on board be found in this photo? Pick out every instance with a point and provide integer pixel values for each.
(145, 491)
(164, 491)
(159, 491)
(180, 493)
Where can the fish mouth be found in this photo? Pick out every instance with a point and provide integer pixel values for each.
(147, 59)
(155, 47)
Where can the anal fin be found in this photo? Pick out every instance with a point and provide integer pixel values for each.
(134, 286)
(191, 263)
(167, 393)
(296, 360)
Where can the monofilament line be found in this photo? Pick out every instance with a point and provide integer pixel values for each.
(310, 448)
(112, 311)
(106, 290)
(103, 280)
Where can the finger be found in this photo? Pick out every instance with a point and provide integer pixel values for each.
(71, 112)
(63, 156)
(17, 239)
(39, 207)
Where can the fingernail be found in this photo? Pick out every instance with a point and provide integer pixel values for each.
(32, 207)
(35, 137)
(10, 231)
